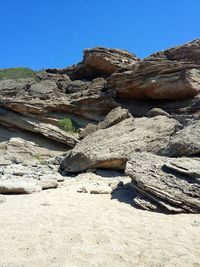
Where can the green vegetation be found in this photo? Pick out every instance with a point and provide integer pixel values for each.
(17, 73)
(40, 158)
(67, 125)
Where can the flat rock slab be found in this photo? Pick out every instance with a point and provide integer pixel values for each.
(170, 183)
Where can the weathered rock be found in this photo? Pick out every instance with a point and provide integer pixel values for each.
(185, 142)
(170, 74)
(29, 124)
(173, 184)
(110, 148)
(157, 80)
(114, 116)
(189, 52)
(48, 183)
(97, 184)
(89, 129)
(101, 190)
(52, 176)
(19, 186)
(26, 147)
(187, 119)
(157, 112)
(100, 62)
(82, 98)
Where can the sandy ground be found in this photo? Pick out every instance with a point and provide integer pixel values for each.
(64, 228)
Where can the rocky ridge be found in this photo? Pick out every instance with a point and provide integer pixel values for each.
(137, 116)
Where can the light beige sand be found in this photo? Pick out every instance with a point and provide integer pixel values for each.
(63, 228)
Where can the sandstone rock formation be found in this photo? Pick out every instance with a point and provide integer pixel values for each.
(139, 114)
(157, 80)
(185, 142)
(114, 117)
(30, 124)
(170, 183)
(189, 52)
(47, 97)
(18, 178)
(170, 74)
(101, 62)
(111, 147)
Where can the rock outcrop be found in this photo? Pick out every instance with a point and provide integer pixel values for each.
(170, 74)
(101, 62)
(20, 121)
(157, 80)
(139, 115)
(49, 97)
(172, 184)
(26, 147)
(189, 52)
(185, 142)
(111, 147)
(114, 117)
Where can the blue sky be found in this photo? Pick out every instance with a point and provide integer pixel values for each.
(53, 33)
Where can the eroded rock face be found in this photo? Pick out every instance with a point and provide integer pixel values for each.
(103, 90)
(29, 124)
(26, 147)
(82, 98)
(170, 184)
(101, 62)
(189, 52)
(157, 80)
(185, 142)
(111, 147)
(114, 117)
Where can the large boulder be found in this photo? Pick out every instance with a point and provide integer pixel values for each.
(111, 147)
(170, 184)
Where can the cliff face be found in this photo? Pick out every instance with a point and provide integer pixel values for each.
(111, 89)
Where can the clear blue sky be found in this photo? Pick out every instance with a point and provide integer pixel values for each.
(52, 33)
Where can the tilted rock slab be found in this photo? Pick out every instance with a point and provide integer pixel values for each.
(110, 148)
(29, 124)
(170, 183)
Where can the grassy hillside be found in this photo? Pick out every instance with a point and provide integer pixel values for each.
(17, 73)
